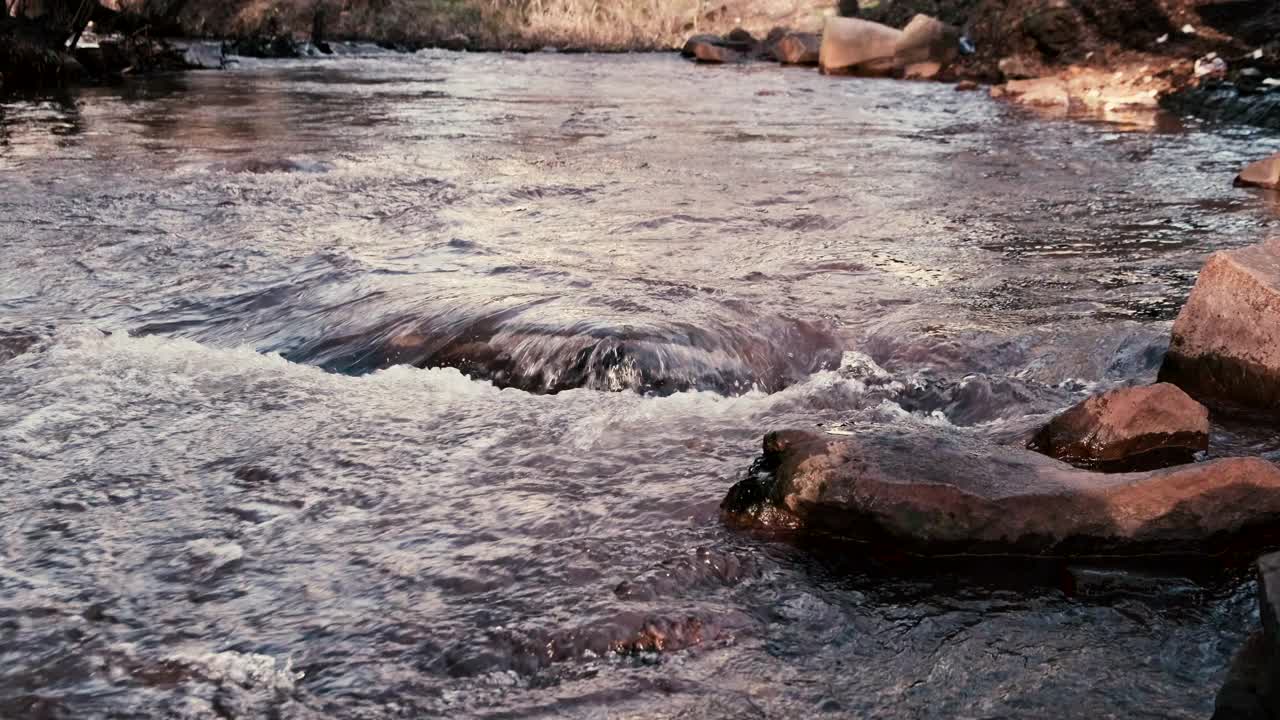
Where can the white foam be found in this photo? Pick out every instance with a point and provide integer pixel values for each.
(249, 670)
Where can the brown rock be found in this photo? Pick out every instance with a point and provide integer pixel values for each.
(966, 86)
(1041, 92)
(740, 40)
(922, 71)
(853, 46)
(798, 49)
(716, 54)
(1263, 173)
(927, 40)
(1134, 427)
(690, 45)
(939, 492)
(1226, 341)
(1017, 67)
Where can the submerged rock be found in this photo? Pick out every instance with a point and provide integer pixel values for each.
(932, 491)
(798, 49)
(1128, 428)
(1264, 173)
(14, 343)
(661, 359)
(1226, 341)
(860, 47)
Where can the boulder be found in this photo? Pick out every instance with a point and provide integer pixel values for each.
(1263, 173)
(798, 49)
(1249, 686)
(740, 40)
(1250, 689)
(938, 491)
(691, 45)
(1225, 348)
(716, 54)
(927, 40)
(966, 86)
(1268, 569)
(715, 49)
(859, 47)
(1129, 428)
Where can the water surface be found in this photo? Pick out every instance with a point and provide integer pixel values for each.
(409, 387)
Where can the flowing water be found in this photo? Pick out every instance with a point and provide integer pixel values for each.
(408, 386)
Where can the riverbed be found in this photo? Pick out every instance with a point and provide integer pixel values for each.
(409, 386)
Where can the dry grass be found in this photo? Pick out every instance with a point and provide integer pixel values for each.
(633, 25)
(606, 25)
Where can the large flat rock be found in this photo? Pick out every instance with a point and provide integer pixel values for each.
(937, 491)
(1226, 341)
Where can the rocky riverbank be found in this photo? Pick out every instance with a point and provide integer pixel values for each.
(1216, 60)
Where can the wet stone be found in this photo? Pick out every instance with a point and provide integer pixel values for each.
(1128, 429)
(926, 491)
(1245, 693)
(1225, 348)
(1264, 173)
(1226, 103)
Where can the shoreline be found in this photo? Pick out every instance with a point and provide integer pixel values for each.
(1060, 65)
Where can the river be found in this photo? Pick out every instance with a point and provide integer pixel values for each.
(408, 386)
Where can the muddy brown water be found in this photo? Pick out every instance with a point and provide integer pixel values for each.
(409, 386)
